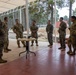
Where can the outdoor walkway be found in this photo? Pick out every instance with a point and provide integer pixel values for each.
(46, 62)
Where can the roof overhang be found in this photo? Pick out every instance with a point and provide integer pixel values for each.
(6, 5)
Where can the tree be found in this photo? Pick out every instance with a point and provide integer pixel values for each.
(39, 9)
(67, 3)
(70, 10)
(74, 12)
(35, 10)
(66, 18)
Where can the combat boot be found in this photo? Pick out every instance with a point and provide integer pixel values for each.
(73, 53)
(2, 61)
(19, 46)
(36, 44)
(24, 46)
(60, 48)
(31, 44)
(63, 49)
(48, 45)
(6, 51)
(69, 52)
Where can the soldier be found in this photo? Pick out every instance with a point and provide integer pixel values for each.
(18, 30)
(34, 30)
(72, 38)
(49, 30)
(62, 33)
(6, 44)
(2, 38)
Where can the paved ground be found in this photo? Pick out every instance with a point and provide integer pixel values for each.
(14, 54)
(48, 61)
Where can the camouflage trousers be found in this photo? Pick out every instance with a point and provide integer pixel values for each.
(72, 43)
(1, 46)
(50, 38)
(36, 41)
(34, 35)
(6, 43)
(62, 40)
(18, 42)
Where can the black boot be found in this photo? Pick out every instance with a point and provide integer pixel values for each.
(36, 44)
(24, 46)
(5, 50)
(32, 44)
(8, 49)
(69, 52)
(60, 48)
(73, 52)
(2, 61)
(19, 46)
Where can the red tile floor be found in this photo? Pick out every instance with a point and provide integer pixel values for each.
(46, 62)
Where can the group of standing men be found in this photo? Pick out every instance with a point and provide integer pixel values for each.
(4, 42)
(71, 42)
(18, 30)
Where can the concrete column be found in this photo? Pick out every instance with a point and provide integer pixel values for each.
(27, 18)
(20, 15)
(13, 17)
(55, 22)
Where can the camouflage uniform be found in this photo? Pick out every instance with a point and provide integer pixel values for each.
(34, 33)
(6, 36)
(62, 34)
(49, 30)
(18, 30)
(72, 38)
(2, 41)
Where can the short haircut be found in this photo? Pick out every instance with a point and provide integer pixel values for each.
(48, 20)
(5, 18)
(73, 17)
(61, 18)
(34, 21)
(16, 19)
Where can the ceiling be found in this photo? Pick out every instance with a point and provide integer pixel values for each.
(6, 5)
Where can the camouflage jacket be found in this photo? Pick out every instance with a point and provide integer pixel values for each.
(18, 29)
(2, 30)
(62, 27)
(49, 28)
(73, 29)
(34, 30)
(5, 28)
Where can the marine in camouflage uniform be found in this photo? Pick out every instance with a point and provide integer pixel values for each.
(34, 34)
(49, 30)
(18, 30)
(6, 44)
(62, 34)
(2, 38)
(72, 38)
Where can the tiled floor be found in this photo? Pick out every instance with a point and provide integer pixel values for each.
(46, 62)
